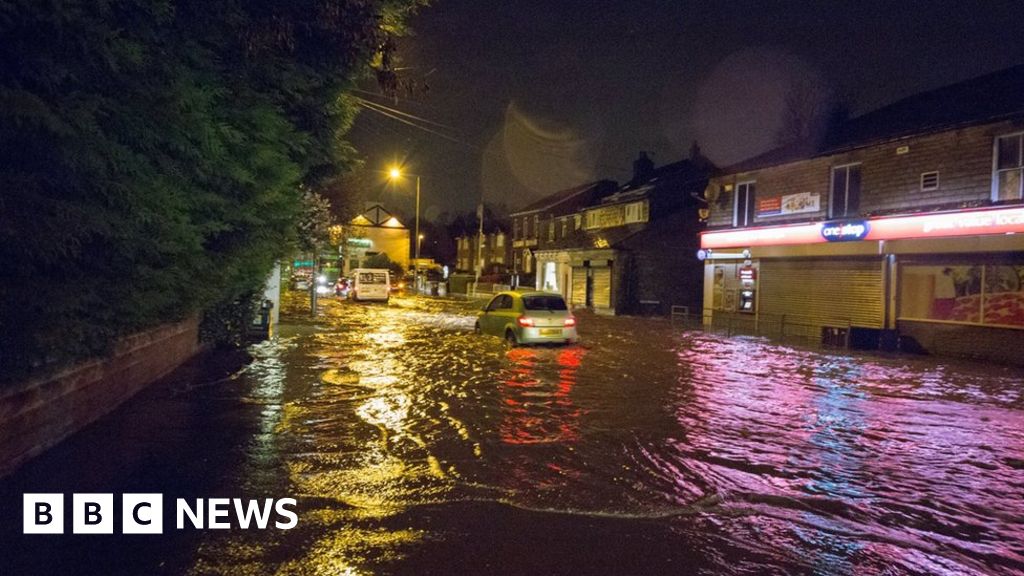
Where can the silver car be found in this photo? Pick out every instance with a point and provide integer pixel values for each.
(528, 318)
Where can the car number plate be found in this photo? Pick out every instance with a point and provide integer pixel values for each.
(550, 331)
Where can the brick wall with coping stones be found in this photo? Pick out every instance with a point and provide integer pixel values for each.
(889, 181)
(38, 414)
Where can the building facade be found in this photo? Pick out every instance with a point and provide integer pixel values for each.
(903, 229)
(495, 253)
(374, 231)
(623, 252)
(526, 223)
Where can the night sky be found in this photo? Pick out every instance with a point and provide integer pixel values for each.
(535, 96)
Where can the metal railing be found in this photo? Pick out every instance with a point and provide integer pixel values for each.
(782, 327)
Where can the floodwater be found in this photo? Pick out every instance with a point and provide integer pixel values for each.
(414, 446)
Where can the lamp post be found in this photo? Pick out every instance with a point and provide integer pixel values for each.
(395, 174)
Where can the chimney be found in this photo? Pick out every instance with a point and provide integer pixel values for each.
(643, 168)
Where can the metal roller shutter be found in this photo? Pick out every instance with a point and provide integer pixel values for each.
(602, 287)
(823, 292)
(578, 297)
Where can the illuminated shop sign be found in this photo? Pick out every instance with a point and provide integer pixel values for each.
(945, 224)
(847, 231)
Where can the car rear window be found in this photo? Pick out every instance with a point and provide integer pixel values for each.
(544, 303)
(372, 278)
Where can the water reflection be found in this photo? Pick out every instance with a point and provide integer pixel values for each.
(774, 459)
(538, 409)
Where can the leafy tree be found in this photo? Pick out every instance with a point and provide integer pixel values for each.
(314, 224)
(382, 260)
(152, 153)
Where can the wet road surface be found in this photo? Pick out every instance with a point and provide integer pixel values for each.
(414, 446)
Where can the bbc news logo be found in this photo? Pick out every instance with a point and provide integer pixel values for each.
(144, 513)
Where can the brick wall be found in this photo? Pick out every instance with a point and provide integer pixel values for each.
(891, 181)
(38, 414)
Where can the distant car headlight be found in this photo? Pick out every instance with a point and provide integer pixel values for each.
(321, 289)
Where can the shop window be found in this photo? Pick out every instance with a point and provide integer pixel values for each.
(990, 294)
(844, 200)
(743, 209)
(1009, 163)
(550, 277)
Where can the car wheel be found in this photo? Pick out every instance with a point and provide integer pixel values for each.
(510, 338)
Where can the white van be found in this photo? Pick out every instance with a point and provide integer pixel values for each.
(370, 284)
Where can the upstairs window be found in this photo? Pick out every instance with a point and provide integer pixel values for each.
(1008, 177)
(743, 208)
(845, 198)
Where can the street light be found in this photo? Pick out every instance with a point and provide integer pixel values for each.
(396, 173)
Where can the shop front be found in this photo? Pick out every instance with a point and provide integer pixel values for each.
(583, 277)
(947, 282)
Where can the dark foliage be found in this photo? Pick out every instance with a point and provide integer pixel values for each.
(152, 154)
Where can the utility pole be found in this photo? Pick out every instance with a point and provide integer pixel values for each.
(312, 287)
(479, 244)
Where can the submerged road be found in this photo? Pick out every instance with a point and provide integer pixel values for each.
(414, 446)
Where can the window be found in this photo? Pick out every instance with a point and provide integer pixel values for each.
(845, 198)
(743, 209)
(500, 240)
(536, 227)
(632, 213)
(500, 302)
(515, 229)
(1008, 177)
(545, 302)
(991, 294)
(565, 227)
(551, 230)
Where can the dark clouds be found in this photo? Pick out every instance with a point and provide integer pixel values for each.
(606, 79)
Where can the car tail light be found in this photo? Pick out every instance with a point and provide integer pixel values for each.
(525, 322)
(570, 322)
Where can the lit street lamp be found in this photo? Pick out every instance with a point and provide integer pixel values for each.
(395, 172)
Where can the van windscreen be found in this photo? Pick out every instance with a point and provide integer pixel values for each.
(544, 303)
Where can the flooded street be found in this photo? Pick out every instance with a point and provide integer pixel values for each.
(414, 446)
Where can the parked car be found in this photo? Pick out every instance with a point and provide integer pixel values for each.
(528, 318)
(371, 284)
(300, 279)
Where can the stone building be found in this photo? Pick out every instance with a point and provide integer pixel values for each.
(901, 228)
